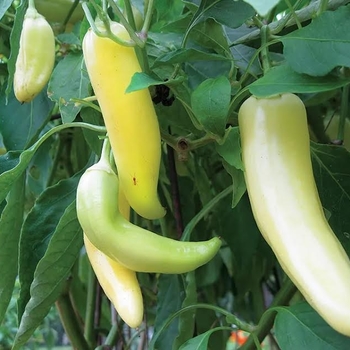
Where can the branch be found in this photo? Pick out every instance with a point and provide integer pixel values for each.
(302, 15)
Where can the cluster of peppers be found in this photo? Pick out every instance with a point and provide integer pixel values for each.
(278, 173)
(103, 197)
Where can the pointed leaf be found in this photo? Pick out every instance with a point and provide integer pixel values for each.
(39, 226)
(186, 319)
(322, 45)
(306, 330)
(200, 342)
(170, 298)
(210, 103)
(332, 171)
(227, 12)
(282, 79)
(69, 79)
(51, 274)
(10, 228)
(20, 124)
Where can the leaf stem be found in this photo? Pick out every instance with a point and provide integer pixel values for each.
(204, 211)
(134, 37)
(291, 9)
(71, 10)
(265, 58)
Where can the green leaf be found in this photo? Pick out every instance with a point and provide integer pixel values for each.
(141, 81)
(20, 124)
(12, 165)
(188, 55)
(230, 150)
(243, 55)
(186, 319)
(210, 35)
(51, 274)
(239, 230)
(227, 12)
(283, 79)
(69, 79)
(200, 342)
(170, 299)
(322, 45)
(306, 330)
(39, 168)
(10, 227)
(38, 229)
(262, 7)
(332, 171)
(239, 186)
(210, 103)
(205, 319)
(199, 71)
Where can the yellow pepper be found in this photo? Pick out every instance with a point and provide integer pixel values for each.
(130, 119)
(118, 282)
(287, 207)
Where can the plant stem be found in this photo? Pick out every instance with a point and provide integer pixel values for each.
(322, 7)
(175, 192)
(344, 109)
(71, 10)
(265, 59)
(266, 322)
(70, 323)
(90, 307)
(303, 15)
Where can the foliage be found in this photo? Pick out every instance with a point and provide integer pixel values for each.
(201, 60)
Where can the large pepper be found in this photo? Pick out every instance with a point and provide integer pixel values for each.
(130, 119)
(134, 247)
(119, 283)
(287, 207)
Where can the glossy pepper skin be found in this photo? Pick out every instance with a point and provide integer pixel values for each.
(130, 119)
(36, 56)
(286, 205)
(134, 247)
(118, 282)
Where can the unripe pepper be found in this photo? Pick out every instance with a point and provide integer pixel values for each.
(287, 207)
(134, 247)
(118, 282)
(130, 119)
(36, 56)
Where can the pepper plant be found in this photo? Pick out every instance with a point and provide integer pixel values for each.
(199, 61)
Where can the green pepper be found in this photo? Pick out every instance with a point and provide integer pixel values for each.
(132, 246)
(36, 56)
